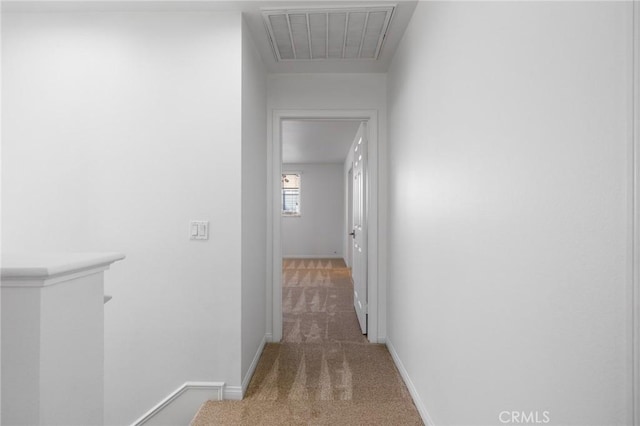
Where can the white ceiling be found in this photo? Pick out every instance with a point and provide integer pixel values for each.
(303, 141)
(252, 11)
(401, 17)
(322, 33)
(307, 141)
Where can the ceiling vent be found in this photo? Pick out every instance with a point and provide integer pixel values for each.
(333, 34)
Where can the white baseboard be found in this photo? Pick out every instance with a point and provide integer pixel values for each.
(181, 405)
(422, 410)
(233, 393)
(312, 256)
(269, 337)
(252, 367)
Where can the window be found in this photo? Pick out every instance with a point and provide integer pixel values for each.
(291, 194)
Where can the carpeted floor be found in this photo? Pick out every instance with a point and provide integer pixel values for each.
(324, 372)
(317, 302)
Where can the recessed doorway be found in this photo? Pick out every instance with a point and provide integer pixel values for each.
(281, 244)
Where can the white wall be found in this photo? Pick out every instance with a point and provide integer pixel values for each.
(53, 341)
(318, 231)
(118, 129)
(509, 210)
(327, 91)
(254, 201)
(1, 238)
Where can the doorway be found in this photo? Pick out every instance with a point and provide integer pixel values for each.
(275, 243)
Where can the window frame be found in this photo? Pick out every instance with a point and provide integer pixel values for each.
(283, 213)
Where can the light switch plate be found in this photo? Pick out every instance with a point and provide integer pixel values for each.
(199, 230)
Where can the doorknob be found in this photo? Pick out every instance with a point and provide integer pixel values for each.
(353, 233)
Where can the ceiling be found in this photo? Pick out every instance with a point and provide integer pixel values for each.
(253, 14)
(303, 141)
(337, 33)
(401, 16)
(317, 141)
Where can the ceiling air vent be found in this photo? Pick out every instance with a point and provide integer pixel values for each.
(321, 34)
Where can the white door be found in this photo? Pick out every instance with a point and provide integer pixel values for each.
(349, 244)
(359, 231)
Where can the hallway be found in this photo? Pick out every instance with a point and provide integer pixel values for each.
(503, 234)
(324, 371)
(317, 302)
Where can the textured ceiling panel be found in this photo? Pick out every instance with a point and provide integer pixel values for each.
(317, 34)
(281, 36)
(336, 34)
(355, 30)
(375, 25)
(300, 36)
(318, 31)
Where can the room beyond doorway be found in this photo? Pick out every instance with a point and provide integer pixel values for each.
(315, 157)
(322, 162)
(317, 302)
(284, 121)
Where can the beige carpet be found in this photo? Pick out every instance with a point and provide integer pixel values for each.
(324, 372)
(317, 302)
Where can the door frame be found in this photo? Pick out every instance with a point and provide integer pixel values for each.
(274, 240)
(349, 219)
(635, 211)
(360, 237)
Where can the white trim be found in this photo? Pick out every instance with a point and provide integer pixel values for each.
(312, 256)
(375, 300)
(217, 392)
(252, 367)
(46, 282)
(41, 270)
(635, 211)
(44, 266)
(422, 410)
(233, 393)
